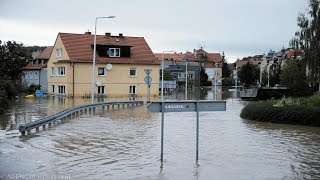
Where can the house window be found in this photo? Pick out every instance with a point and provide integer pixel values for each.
(61, 89)
(133, 72)
(132, 89)
(190, 76)
(101, 71)
(100, 89)
(52, 71)
(179, 75)
(114, 52)
(59, 52)
(52, 87)
(61, 71)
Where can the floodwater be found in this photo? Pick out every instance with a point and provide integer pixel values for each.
(125, 144)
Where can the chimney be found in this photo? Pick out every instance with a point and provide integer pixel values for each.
(108, 34)
(120, 35)
(88, 33)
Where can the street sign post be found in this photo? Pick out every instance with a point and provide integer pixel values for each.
(148, 71)
(185, 106)
(148, 80)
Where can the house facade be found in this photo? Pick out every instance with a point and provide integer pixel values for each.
(119, 71)
(36, 71)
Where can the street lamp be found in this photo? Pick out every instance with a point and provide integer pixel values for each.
(94, 55)
(186, 58)
(162, 73)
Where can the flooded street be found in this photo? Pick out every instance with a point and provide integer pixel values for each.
(125, 144)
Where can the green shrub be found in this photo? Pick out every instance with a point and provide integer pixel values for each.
(33, 87)
(313, 101)
(288, 114)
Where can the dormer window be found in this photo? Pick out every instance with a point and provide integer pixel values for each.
(114, 52)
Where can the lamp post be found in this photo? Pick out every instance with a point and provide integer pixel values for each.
(94, 55)
(215, 81)
(162, 67)
(186, 58)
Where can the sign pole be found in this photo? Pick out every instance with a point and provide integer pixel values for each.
(148, 92)
(162, 129)
(197, 132)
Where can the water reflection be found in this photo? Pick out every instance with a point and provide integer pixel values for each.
(125, 144)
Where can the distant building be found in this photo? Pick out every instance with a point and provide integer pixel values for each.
(176, 63)
(36, 71)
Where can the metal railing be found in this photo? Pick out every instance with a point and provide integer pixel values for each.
(72, 112)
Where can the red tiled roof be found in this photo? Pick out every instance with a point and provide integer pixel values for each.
(34, 67)
(295, 52)
(79, 48)
(45, 54)
(211, 57)
(216, 57)
(240, 63)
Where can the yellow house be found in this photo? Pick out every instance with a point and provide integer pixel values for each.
(119, 71)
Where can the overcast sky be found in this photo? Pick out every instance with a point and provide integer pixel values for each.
(237, 27)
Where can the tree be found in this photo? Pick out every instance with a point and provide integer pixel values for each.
(294, 77)
(167, 75)
(13, 56)
(249, 74)
(225, 68)
(308, 38)
(204, 78)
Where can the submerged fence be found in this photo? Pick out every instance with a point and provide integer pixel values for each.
(72, 113)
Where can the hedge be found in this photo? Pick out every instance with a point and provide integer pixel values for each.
(294, 114)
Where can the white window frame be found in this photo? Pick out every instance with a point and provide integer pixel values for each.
(61, 89)
(135, 75)
(52, 71)
(179, 75)
(113, 52)
(104, 71)
(61, 72)
(101, 88)
(132, 89)
(190, 75)
(59, 53)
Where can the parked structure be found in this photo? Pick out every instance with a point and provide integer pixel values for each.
(120, 64)
(36, 71)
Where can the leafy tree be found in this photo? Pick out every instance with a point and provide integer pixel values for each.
(249, 74)
(13, 56)
(167, 75)
(308, 38)
(294, 77)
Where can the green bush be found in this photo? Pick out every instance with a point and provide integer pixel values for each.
(288, 114)
(313, 101)
(33, 87)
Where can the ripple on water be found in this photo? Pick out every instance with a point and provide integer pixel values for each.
(125, 144)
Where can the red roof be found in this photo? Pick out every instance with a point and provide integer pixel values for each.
(295, 52)
(45, 54)
(211, 57)
(79, 48)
